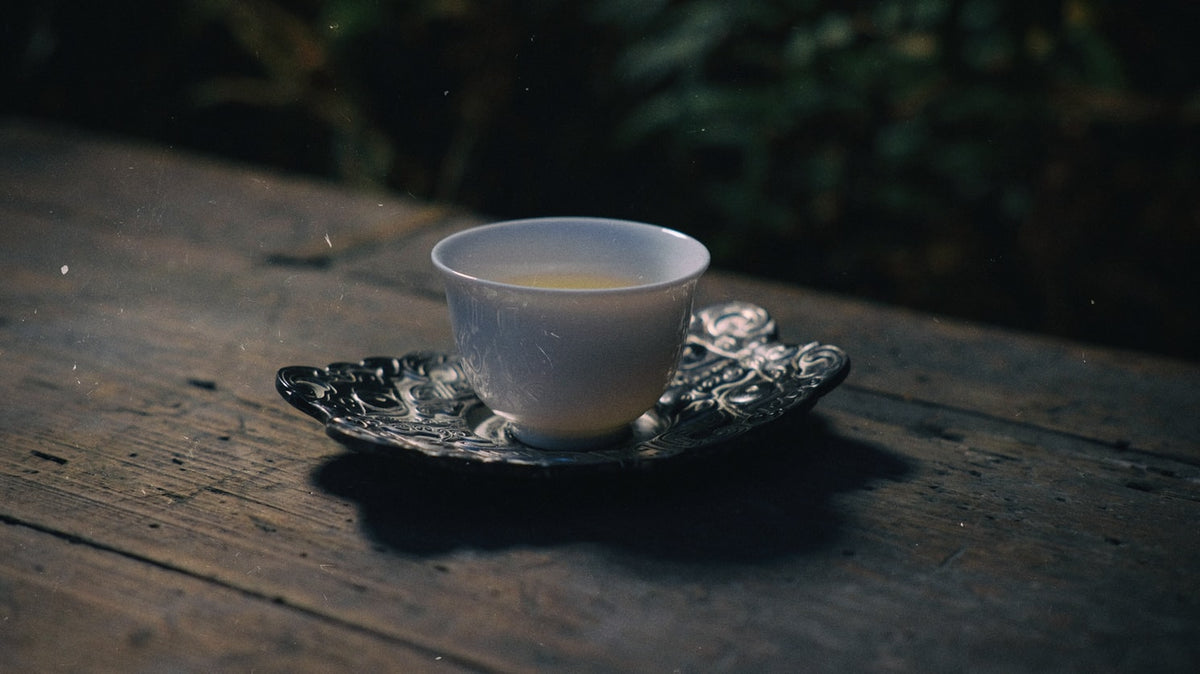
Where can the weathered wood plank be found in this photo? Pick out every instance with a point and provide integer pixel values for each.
(915, 521)
(238, 510)
(139, 193)
(845, 543)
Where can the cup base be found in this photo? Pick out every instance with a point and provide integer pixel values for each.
(574, 443)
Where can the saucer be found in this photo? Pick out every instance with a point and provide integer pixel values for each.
(734, 375)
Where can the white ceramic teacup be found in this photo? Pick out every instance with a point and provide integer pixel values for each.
(570, 327)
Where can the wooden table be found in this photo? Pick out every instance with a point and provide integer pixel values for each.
(970, 499)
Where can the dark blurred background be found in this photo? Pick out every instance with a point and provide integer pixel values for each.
(1028, 163)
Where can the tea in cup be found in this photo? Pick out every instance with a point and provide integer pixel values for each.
(570, 328)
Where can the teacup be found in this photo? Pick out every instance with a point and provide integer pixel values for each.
(570, 328)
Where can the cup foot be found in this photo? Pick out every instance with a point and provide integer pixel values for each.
(576, 443)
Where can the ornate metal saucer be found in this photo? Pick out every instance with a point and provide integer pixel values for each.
(734, 375)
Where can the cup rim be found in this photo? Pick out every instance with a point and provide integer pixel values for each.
(693, 272)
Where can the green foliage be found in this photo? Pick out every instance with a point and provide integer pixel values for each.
(905, 114)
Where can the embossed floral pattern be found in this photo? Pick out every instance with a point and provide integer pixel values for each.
(734, 375)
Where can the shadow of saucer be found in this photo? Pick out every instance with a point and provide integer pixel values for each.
(767, 495)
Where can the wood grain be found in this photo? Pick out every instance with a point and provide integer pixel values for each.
(970, 499)
(70, 605)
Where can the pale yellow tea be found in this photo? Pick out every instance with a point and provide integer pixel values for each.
(569, 280)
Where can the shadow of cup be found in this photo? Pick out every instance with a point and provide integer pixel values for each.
(765, 495)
